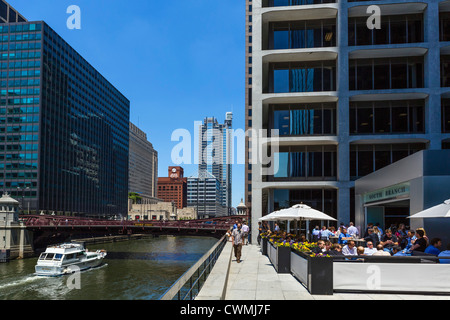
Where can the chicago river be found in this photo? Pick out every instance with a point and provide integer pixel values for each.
(133, 270)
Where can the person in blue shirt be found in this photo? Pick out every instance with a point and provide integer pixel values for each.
(344, 237)
(445, 253)
(433, 247)
(325, 233)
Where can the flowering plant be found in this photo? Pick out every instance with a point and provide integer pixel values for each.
(285, 244)
(304, 246)
(319, 255)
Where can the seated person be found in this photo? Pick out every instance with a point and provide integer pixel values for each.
(370, 250)
(350, 249)
(372, 237)
(420, 244)
(288, 240)
(388, 240)
(433, 247)
(320, 247)
(344, 237)
(410, 239)
(446, 254)
(360, 251)
(397, 251)
(328, 246)
(326, 233)
(381, 252)
(336, 250)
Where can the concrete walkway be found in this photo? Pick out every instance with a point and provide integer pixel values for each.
(255, 278)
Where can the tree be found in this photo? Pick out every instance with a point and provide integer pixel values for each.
(135, 197)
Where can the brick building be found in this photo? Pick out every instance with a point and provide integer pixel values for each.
(174, 187)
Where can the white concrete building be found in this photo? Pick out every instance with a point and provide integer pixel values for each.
(347, 100)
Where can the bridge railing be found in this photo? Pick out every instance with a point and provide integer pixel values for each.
(189, 284)
(62, 221)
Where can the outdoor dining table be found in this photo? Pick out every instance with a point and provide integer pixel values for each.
(358, 242)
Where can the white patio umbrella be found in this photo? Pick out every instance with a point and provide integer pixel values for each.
(272, 216)
(439, 211)
(302, 212)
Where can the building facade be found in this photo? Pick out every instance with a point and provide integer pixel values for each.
(143, 164)
(248, 100)
(215, 154)
(346, 99)
(9, 14)
(173, 188)
(64, 128)
(204, 194)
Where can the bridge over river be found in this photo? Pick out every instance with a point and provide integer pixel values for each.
(48, 229)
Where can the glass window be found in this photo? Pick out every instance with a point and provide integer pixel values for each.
(416, 118)
(382, 156)
(364, 76)
(281, 38)
(381, 74)
(315, 161)
(445, 115)
(444, 19)
(381, 36)
(365, 119)
(281, 121)
(445, 71)
(298, 164)
(281, 199)
(330, 161)
(382, 117)
(398, 71)
(400, 117)
(365, 160)
(398, 29)
(282, 158)
(415, 28)
(280, 80)
(363, 34)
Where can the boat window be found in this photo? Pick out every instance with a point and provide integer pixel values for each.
(69, 256)
(58, 256)
(42, 257)
(49, 256)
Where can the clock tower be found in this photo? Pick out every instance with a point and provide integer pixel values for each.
(176, 172)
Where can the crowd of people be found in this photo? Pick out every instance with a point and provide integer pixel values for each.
(394, 241)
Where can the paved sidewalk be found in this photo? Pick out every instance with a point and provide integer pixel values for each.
(255, 278)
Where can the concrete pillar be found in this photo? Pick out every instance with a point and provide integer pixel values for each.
(432, 75)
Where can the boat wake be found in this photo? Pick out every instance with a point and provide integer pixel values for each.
(19, 282)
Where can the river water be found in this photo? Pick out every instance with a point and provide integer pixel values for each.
(133, 270)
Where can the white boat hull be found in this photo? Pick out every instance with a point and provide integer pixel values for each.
(54, 271)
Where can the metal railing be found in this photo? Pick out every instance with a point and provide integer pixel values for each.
(190, 283)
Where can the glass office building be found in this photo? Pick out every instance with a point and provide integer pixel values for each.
(215, 154)
(204, 194)
(64, 128)
(346, 100)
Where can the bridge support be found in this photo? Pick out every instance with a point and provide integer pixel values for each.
(15, 239)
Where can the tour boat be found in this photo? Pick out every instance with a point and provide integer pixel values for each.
(67, 258)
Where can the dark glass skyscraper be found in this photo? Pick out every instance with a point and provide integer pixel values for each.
(64, 128)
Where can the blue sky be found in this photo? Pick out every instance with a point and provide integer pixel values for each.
(177, 61)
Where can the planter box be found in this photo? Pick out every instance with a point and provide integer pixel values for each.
(264, 246)
(283, 260)
(280, 258)
(315, 273)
